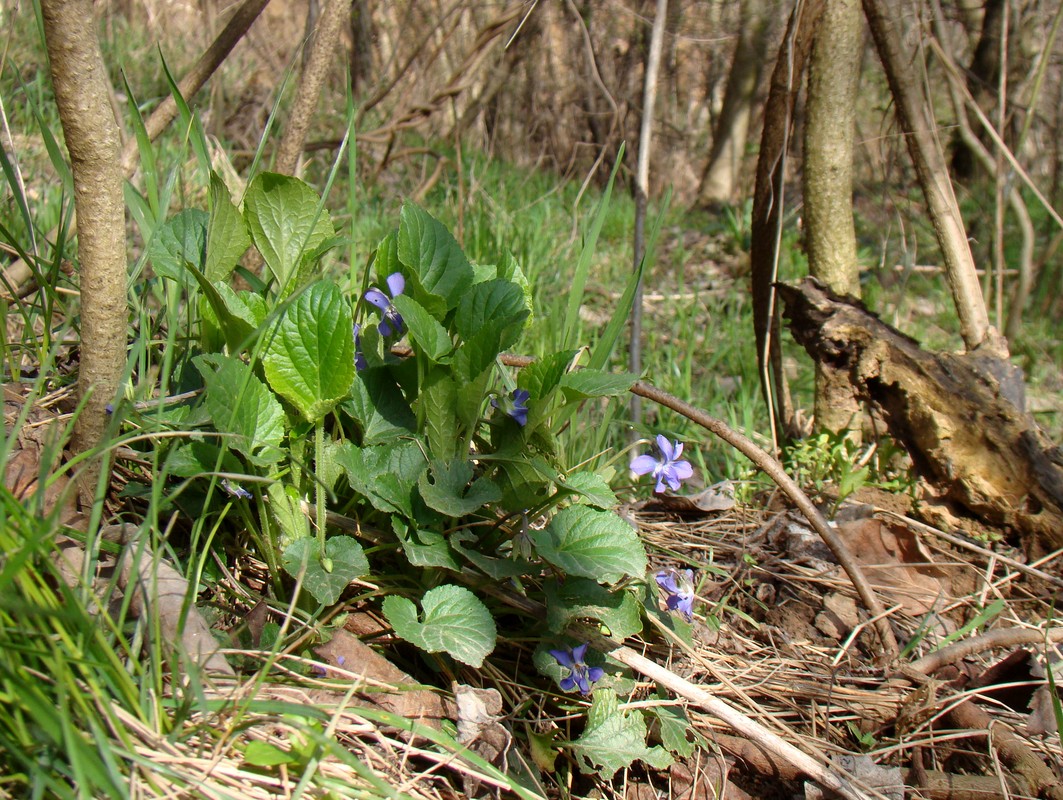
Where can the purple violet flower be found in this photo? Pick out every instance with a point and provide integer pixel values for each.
(235, 490)
(515, 406)
(390, 319)
(359, 356)
(580, 675)
(679, 589)
(667, 469)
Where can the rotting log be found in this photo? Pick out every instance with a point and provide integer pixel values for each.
(961, 417)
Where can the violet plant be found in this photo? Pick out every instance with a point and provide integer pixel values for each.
(308, 408)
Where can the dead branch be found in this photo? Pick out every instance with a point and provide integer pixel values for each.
(18, 275)
(1004, 637)
(766, 229)
(932, 172)
(1023, 762)
(319, 61)
(961, 417)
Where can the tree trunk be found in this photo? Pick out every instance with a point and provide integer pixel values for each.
(830, 111)
(642, 191)
(729, 134)
(82, 94)
(929, 161)
(961, 417)
(361, 69)
(18, 273)
(768, 196)
(322, 55)
(982, 77)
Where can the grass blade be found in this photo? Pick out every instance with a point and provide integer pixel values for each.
(583, 265)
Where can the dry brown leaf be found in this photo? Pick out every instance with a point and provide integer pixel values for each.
(480, 728)
(719, 497)
(897, 564)
(347, 651)
(704, 779)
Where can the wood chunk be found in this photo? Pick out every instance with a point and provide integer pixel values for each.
(961, 417)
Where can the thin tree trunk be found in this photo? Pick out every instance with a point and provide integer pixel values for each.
(768, 203)
(323, 48)
(830, 111)
(731, 130)
(642, 189)
(361, 68)
(81, 93)
(982, 77)
(930, 168)
(18, 272)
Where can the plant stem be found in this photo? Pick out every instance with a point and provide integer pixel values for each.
(319, 491)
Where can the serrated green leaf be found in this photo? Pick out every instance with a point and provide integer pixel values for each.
(591, 487)
(424, 331)
(673, 727)
(470, 399)
(401, 614)
(431, 252)
(614, 739)
(233, 329)
(594, 383)
(286, 222)
(455, 621)
(478, 353)
(542, 747)
(348, 563)
(241, 405)
(424, 548)
(310, 359)
(385, 475)
(227, 236)
(386, 257)
(241, 318)
(328, 469)
(499, 301)
(245, 306)
(583, 598)
(181, 240)
(522, 485)
(508, 268)
(191, 459)
(497, 568)
(437, 405)
(449, 491)
(544, 374)
(286, 510)
(264, 754)
(379, 407)
(589, 543)
(483, 272)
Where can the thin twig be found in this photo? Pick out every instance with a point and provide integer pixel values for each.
(1004, 637)
(974, 548)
